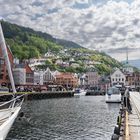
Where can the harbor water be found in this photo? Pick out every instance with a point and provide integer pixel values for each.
(81, 118)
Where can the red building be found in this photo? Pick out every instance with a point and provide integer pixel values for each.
(67, 80)
(4, 78)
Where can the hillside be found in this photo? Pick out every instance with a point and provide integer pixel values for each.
(26, 43)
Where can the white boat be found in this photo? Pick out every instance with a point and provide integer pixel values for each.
(10, 109)
(80, 92)
(8, 115)
(4, 90)
(113, 95)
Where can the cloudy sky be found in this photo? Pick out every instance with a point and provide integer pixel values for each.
(105, 25)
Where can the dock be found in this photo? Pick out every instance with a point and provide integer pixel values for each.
(128, 124)
(133, 118)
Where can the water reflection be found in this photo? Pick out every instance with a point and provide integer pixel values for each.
(83, 118)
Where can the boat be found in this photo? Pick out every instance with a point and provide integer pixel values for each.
(8, 113)
(80, 92)
(9, 109)
(4, 90)
(113, 95)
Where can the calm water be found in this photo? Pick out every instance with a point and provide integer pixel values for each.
(84, 118)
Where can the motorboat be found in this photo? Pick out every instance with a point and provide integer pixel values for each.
(113, 95)
(80, 92)
(9, 109)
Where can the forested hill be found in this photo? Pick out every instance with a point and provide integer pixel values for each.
(26, 43)
(27, 40)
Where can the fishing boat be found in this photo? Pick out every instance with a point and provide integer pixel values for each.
(8, 110)
(113, 95)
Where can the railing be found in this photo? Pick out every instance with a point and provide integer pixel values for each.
(13, 102)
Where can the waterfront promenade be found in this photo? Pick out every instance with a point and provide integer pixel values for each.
(132, 127)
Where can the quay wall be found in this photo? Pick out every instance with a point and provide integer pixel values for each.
(94, 93)
(38, 95)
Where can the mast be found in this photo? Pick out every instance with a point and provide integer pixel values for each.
(5, 54)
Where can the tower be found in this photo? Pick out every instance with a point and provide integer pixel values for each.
(127, 55)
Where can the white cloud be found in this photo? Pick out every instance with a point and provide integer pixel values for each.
(112, 25)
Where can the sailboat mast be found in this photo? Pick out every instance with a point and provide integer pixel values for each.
(5, 54)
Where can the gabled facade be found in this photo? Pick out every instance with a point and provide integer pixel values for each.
(118, 78)
(48, 77)
(92, 78)
(67, 80)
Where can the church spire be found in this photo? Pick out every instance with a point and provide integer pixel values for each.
(126, 55)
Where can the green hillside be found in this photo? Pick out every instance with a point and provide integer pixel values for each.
(26, 43)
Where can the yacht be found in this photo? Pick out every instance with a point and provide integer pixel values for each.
(8, 110)
(113, 95)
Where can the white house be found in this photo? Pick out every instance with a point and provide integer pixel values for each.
(48, 77)
(19, 75)
(118, 78)
(38, 78)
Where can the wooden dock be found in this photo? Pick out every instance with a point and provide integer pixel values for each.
(132, 125)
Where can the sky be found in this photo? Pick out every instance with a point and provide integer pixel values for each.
(104, 25)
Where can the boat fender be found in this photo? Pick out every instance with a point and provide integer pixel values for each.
(21, 114)
(115, 137)
(117, 130)
(119, 120)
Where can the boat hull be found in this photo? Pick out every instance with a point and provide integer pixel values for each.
(6, 126)
(113, 98)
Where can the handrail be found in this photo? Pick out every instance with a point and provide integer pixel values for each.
(11, 100)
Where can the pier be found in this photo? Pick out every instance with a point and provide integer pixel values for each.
(128, 121)
(132, 127)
